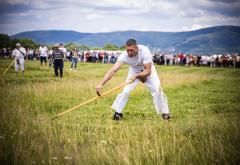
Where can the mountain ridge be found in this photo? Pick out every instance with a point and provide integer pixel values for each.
(218, 39)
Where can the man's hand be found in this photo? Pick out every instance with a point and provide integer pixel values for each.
(143, 79)
(99, 87)
(142, 76)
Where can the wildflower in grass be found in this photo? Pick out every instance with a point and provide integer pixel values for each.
(67, 157)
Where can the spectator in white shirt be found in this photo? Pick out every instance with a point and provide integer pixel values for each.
(19, 53)
(61, 47)
(43, 53)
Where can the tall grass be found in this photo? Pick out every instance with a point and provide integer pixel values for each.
(204, 129)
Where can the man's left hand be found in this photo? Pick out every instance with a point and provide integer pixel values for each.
(143, 79)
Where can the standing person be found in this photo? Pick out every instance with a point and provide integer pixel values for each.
(112, 59)
(69, 55)
(2, 53)
(198, 60)
(74, 59)
(217, 63)
(63, 49)
(58, 56)
(141, 68)
(105, 59)
(9, 53)
(30, 54)
(97, 57)
(50, 59)
(43, 53)
(19, 53)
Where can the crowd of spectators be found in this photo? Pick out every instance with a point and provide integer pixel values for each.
(215, 60)
(96, 56)
(102, 56)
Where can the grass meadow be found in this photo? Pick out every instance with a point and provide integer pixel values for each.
(204, 103)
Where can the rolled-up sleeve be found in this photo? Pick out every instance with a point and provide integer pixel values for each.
(121, 58)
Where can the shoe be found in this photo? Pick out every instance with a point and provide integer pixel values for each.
(166, 116)
(117, 116)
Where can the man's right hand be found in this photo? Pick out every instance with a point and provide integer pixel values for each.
(99, 87)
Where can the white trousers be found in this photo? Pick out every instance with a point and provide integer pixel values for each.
(152, 83)
(20, 65)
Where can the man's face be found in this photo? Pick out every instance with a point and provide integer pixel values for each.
(132, 50)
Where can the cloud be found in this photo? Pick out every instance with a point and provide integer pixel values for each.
(15, 2)
(228, 8)
(224, 1)
(108, 15)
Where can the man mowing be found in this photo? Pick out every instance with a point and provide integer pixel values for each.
(141, 68)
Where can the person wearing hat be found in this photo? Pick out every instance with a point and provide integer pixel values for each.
(19, 53)
(58, 56)
(141, 69)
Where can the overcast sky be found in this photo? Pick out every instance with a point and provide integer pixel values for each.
(114, 15)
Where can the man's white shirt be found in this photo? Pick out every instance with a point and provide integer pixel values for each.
(43, 51)
(17, 53)
(137, 62)
(19, 57)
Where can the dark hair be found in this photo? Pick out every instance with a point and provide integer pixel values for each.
(131, 42)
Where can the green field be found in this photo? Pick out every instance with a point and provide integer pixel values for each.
(204, 129)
